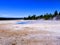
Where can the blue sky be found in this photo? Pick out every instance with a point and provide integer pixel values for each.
(23, 8)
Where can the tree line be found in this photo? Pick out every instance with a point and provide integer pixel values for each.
(45, 16)
(34, 17)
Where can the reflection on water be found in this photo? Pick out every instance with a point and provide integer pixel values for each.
(23, 23)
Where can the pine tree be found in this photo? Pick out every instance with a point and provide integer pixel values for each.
(55, 13)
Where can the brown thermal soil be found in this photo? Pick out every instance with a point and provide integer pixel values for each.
(28, 36)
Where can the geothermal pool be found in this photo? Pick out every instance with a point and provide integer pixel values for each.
(49, 25)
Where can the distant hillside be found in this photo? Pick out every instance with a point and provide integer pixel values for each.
(3, 18)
